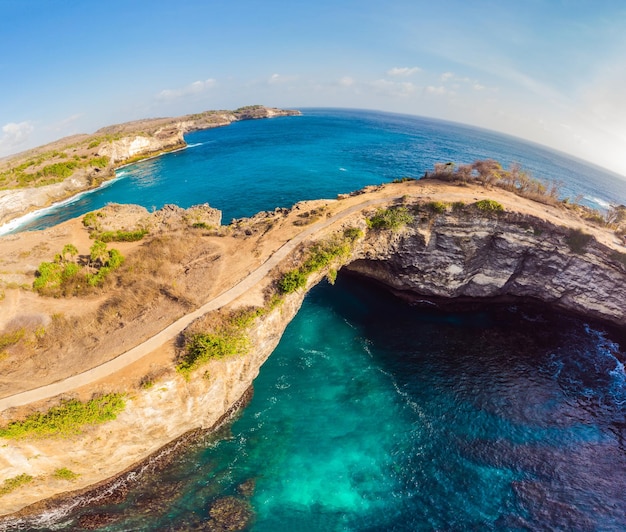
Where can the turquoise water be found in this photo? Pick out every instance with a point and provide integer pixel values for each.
(375, 415)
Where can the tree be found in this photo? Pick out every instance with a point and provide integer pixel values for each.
(616, 215)
(99, 252)
(69, 249)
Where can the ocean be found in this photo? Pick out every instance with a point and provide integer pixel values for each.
(372, 414)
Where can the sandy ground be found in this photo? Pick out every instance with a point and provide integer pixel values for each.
(214, 265)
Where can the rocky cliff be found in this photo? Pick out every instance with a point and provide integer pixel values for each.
(510, 255)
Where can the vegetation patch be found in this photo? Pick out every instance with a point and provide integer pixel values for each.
(319, 256)
(67, 419)
(11, 338)
(490, 172)
(63, 473)
(120, 236)
(489, 206)
(228, 336)
(577, 240)
(437, 207)
(11, 484)
(65, 277)
(393, 219)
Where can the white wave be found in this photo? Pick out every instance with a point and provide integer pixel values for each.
(341, 169)
(194, 145)
(26, 218)
(598, 201)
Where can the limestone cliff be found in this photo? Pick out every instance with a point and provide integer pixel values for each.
(151, 420)
(458, 256)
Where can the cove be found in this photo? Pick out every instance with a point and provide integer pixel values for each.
(375, 415)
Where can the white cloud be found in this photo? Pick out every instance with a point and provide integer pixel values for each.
(446, 76)
(15, 135)
(403, 71)
(279, 78)
(431, 89)
(346, 81)
(394, 88)
(196, 87)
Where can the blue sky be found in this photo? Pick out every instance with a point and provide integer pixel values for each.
(551, 71)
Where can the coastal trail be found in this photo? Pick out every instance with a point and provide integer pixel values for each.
(148, 346)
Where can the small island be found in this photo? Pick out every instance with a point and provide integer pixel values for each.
(128, 330)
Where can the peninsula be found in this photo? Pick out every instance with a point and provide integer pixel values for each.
(165, 332)
(42, 176)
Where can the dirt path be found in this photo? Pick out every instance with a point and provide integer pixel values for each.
(442, 192)
(170, 332)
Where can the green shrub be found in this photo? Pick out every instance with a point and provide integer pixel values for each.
(11, 338)
(69, 418)
(60, 170)
(48, 276)
(292, 281)
(121, 236)
(577, 240)
(353, 233)
(90, 220)
(437, 207)
(63, 473)
(99, 162)
(403, 179)
(393, 218)
(489, 206)
(11, 484)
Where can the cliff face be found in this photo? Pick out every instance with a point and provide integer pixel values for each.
(151, 420)
(509, 255)
(164, 139)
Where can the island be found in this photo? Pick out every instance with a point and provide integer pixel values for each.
(126, 333)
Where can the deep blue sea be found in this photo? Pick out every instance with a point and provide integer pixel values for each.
(373, 415)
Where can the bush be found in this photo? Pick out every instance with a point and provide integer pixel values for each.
(292, 281)
(63, 473)
(489, 206)
(99, 162)
(121, 236)
(437, 207)
(228, 338)
(392, 218)
(353, 233)
(66, 419)
(11, 484)
(577, 240)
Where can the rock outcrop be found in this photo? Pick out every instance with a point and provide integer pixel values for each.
(464, 256)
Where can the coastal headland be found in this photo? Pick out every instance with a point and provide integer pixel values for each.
(171, 338)
(52, 173)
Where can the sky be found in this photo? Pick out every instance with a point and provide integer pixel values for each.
(550, 71)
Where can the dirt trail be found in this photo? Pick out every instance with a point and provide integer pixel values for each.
(389, 194)
(170, 332)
